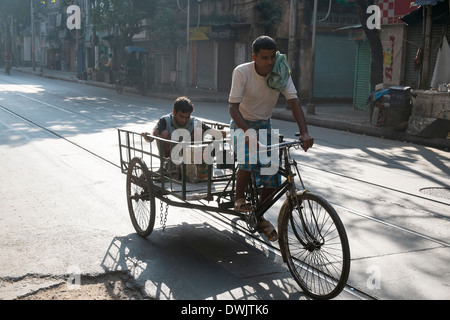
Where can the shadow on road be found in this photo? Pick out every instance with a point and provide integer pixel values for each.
(198, 262)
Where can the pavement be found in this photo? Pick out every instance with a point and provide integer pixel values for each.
(337, 116)
(182, 250)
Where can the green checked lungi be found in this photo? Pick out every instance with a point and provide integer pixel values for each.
(249, 159)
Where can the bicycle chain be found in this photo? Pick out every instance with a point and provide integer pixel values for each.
(251, 221)
(163, 220)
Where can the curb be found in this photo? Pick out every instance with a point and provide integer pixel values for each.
(385, 133)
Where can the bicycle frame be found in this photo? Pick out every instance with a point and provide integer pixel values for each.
(308, 226)
(287, 185)
(131, 145)
(289, 188)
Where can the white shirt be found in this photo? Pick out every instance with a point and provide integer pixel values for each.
(256, 100)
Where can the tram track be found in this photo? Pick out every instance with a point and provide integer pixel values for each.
(225, 222)
(57, 135)
(62, 109)
(330, 172)
(217, 218)
(377, 185)
(366, 182)
(222, 219)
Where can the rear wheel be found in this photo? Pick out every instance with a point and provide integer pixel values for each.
(315, 246)
(141, 202)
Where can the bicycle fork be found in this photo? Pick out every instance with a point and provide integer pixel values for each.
(311, 240)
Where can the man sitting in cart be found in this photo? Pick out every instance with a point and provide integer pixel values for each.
(179, 118)
(252, 100)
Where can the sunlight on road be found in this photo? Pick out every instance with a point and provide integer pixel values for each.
(25, 88)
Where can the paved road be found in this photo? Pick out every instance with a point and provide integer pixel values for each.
(63, 206)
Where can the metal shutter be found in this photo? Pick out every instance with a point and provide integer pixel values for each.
(362, 74)
(334, 68)
(204, 65)
(414, 41)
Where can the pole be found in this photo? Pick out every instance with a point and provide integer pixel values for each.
(292, 32)
(425, 73)
(310, 107)
(187, 45)
(13, 40)
(41, 67)
(33, 58)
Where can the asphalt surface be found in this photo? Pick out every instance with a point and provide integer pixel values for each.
(337, 116)
(70, 213)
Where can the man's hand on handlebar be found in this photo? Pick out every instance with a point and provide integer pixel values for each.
(146, 137)
(307, 141)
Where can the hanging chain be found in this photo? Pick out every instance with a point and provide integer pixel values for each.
(163, 216)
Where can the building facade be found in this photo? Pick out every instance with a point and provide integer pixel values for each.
(220, 37)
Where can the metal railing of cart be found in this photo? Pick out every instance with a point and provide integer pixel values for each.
(217, 183)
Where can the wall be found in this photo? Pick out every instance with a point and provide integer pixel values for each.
(394, 48)
(430, 114)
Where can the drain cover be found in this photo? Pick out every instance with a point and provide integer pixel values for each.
(437, 192)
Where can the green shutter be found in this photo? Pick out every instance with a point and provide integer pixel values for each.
(362, 75)
(334, 69)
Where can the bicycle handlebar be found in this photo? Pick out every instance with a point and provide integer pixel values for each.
(262, 147)
(281, 145)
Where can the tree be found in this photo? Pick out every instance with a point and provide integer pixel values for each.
(122, 18)
(373, 35)
(13, 7)
(270, 14)
(19, 11)
(167, 29)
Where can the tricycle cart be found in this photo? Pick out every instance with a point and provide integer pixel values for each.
(312, 238)
(133, 73)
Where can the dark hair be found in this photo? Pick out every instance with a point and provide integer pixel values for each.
(263, 42)
(183, 104)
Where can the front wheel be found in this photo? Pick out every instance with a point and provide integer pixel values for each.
(120, 83)
(314, 245)
(141, 201)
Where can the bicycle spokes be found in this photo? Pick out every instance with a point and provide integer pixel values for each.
(306, 225)
(315, 246)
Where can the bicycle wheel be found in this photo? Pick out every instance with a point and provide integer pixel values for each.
(252, 197)
(120, 84)
(141, 202)
(314, 244)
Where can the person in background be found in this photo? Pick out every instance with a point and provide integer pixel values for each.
(109, 67)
